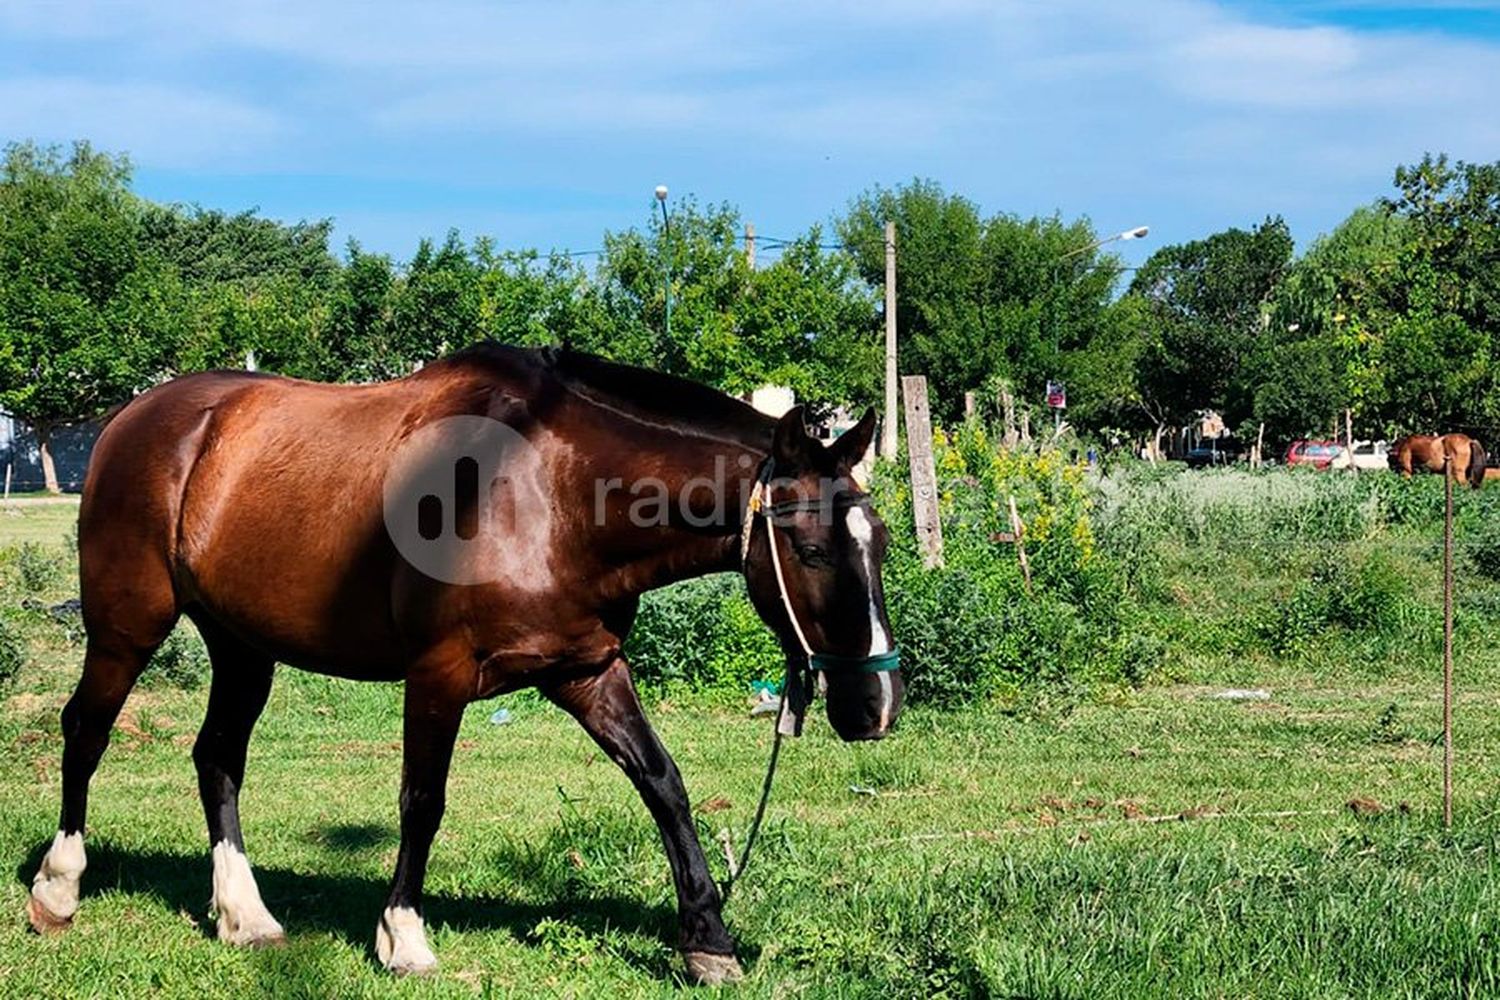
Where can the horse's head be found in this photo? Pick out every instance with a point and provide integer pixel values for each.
(813, 571)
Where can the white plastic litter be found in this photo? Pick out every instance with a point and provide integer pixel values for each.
(1243, 694)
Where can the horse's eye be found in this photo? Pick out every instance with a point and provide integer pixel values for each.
(814, 555)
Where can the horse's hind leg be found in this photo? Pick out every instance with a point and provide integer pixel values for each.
(241, 684)
(110, 668)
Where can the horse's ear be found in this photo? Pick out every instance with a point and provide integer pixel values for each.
(851, 445)
(791, 446)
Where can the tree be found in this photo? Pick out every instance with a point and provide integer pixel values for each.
(1401, 303)
(982, 299)
(207, 246)
(360, 314)
(804, 321)
(1323, 347)
(808, 322)
(1209, 302)
(1444, 294)
(1103, 375)
(85, 317)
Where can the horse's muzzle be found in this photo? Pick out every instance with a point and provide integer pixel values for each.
(863, 704)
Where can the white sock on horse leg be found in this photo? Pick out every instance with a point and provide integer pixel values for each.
(401, 941)
(243, 918)
(56, 884)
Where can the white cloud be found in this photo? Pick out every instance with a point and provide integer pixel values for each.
(1191, 106)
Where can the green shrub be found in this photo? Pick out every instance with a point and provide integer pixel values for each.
(1371, 597)
(970, 630)
(1484, 553)
(39, 567)
(703, 635)
(11, 655)
(1408, 502)
(181, 662)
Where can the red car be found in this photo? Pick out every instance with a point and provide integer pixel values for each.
(1318, 454)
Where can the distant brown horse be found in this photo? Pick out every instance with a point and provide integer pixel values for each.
(485, 525)
(1424, 452)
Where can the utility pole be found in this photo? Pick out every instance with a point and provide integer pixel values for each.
(750, 245)
(888, 433)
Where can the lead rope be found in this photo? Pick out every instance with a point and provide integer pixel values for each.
(752, 510)
(736, 869)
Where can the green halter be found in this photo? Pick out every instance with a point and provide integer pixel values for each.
(878, 664)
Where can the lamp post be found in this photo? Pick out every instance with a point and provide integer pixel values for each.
(1139, 232)
(666, 249)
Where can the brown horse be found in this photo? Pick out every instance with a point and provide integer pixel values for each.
(1426, 452)
(485, 525)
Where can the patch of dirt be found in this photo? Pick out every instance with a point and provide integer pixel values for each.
(26, 704)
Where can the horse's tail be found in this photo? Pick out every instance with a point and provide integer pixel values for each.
(1478, 463)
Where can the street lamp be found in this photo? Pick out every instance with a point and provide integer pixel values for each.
(666, 230)
(1136, 233)
(1139, 232)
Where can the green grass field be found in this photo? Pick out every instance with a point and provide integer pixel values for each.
(1149, 842)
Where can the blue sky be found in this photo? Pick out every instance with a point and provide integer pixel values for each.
(545, 124)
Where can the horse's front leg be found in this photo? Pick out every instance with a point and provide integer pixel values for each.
(607, 707)
(434, 708)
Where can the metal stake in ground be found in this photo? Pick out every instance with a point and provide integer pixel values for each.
(1447, 641)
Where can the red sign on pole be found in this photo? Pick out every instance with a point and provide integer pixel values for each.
(1057, 396)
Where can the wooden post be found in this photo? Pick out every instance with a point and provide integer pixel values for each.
(1026, 426)
(1260, 443)
(969, 406)
(924, 492)
(1019, 529)
(1008, 408)
(7, 480)
(1447, 642)
(888, 433)
(1349, 437)
(750, 245)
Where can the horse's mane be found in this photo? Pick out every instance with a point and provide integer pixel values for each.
(660, 400)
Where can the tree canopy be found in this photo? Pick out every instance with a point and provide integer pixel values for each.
(1392, 315)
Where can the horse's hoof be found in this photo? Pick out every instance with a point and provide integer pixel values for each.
(43, 920)
(262, 932)
(270, 939)
(401, 943)
(712, 970)
(412, 968)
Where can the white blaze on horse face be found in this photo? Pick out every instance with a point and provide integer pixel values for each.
(863, 534)
(243, 918)
(401, 942)
(56, 884)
